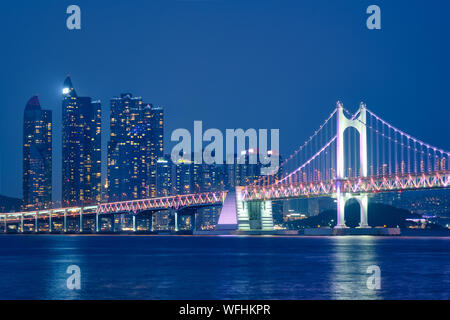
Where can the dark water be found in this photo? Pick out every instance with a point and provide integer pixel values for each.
(189, 267)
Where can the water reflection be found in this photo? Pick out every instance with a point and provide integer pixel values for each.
(61, 253)
(350, 259)
(158, 267)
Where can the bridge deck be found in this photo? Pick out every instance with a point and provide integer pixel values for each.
(431, 180)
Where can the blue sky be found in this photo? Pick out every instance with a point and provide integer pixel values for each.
(231, 64)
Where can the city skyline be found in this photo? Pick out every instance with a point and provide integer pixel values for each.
(255, 199)
(351, 156)
(230, 75)
(137, 166)
(134, 147)
(226, 155)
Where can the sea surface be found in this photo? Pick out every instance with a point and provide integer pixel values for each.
(223, 267)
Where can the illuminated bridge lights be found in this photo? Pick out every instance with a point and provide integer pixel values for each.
(440, 179)
(130, 207)
(328, 164)
(171, 202)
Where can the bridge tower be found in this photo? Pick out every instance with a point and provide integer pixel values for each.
(359, 123)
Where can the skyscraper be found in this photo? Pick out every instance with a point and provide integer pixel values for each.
(208, 178)
(81, 150)
(37, 156)
(123, 115)
(164, 176)
(134, 147)
(184, 180)
(156, 144)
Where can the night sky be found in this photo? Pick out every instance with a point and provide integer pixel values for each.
(231, 64)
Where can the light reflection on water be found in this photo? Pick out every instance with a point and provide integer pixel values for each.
(56, 270)
(351, 258)
(172, 267)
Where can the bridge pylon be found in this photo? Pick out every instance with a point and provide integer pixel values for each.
(359, 123)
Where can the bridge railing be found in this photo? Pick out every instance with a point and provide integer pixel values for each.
(174, 202)
(437, 179)
(132, 206)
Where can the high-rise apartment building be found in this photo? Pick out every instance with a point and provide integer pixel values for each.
(37, 156)
(134, 147)
(81, 150)
(164, 185)
(184, 181)
(156, 145)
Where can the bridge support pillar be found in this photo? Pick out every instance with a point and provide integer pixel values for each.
(97, 226)
(134, 222)
(21, 223)
(254, 216)
(243, 216)
(50, 222)
(364, 205)
(36, 222)
(340, 208)
(81, 220)
(6, 223)
(65, 220)
(266, 216)
(176, 221)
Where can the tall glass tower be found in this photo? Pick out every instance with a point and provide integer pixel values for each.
(135, 145)
(37, 156)
(81, 150)
(164, 177)
(156, 144)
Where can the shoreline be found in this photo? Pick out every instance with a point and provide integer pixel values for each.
(405, 233)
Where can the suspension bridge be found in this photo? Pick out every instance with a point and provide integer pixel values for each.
(350, 156)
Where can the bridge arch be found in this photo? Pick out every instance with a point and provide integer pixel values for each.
(363, 201)
(362, 222)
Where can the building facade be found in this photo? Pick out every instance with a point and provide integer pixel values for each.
(37, 156)
(164, 176)
(134, 147)
(184, 181)
(156, 145)
(81, 150)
